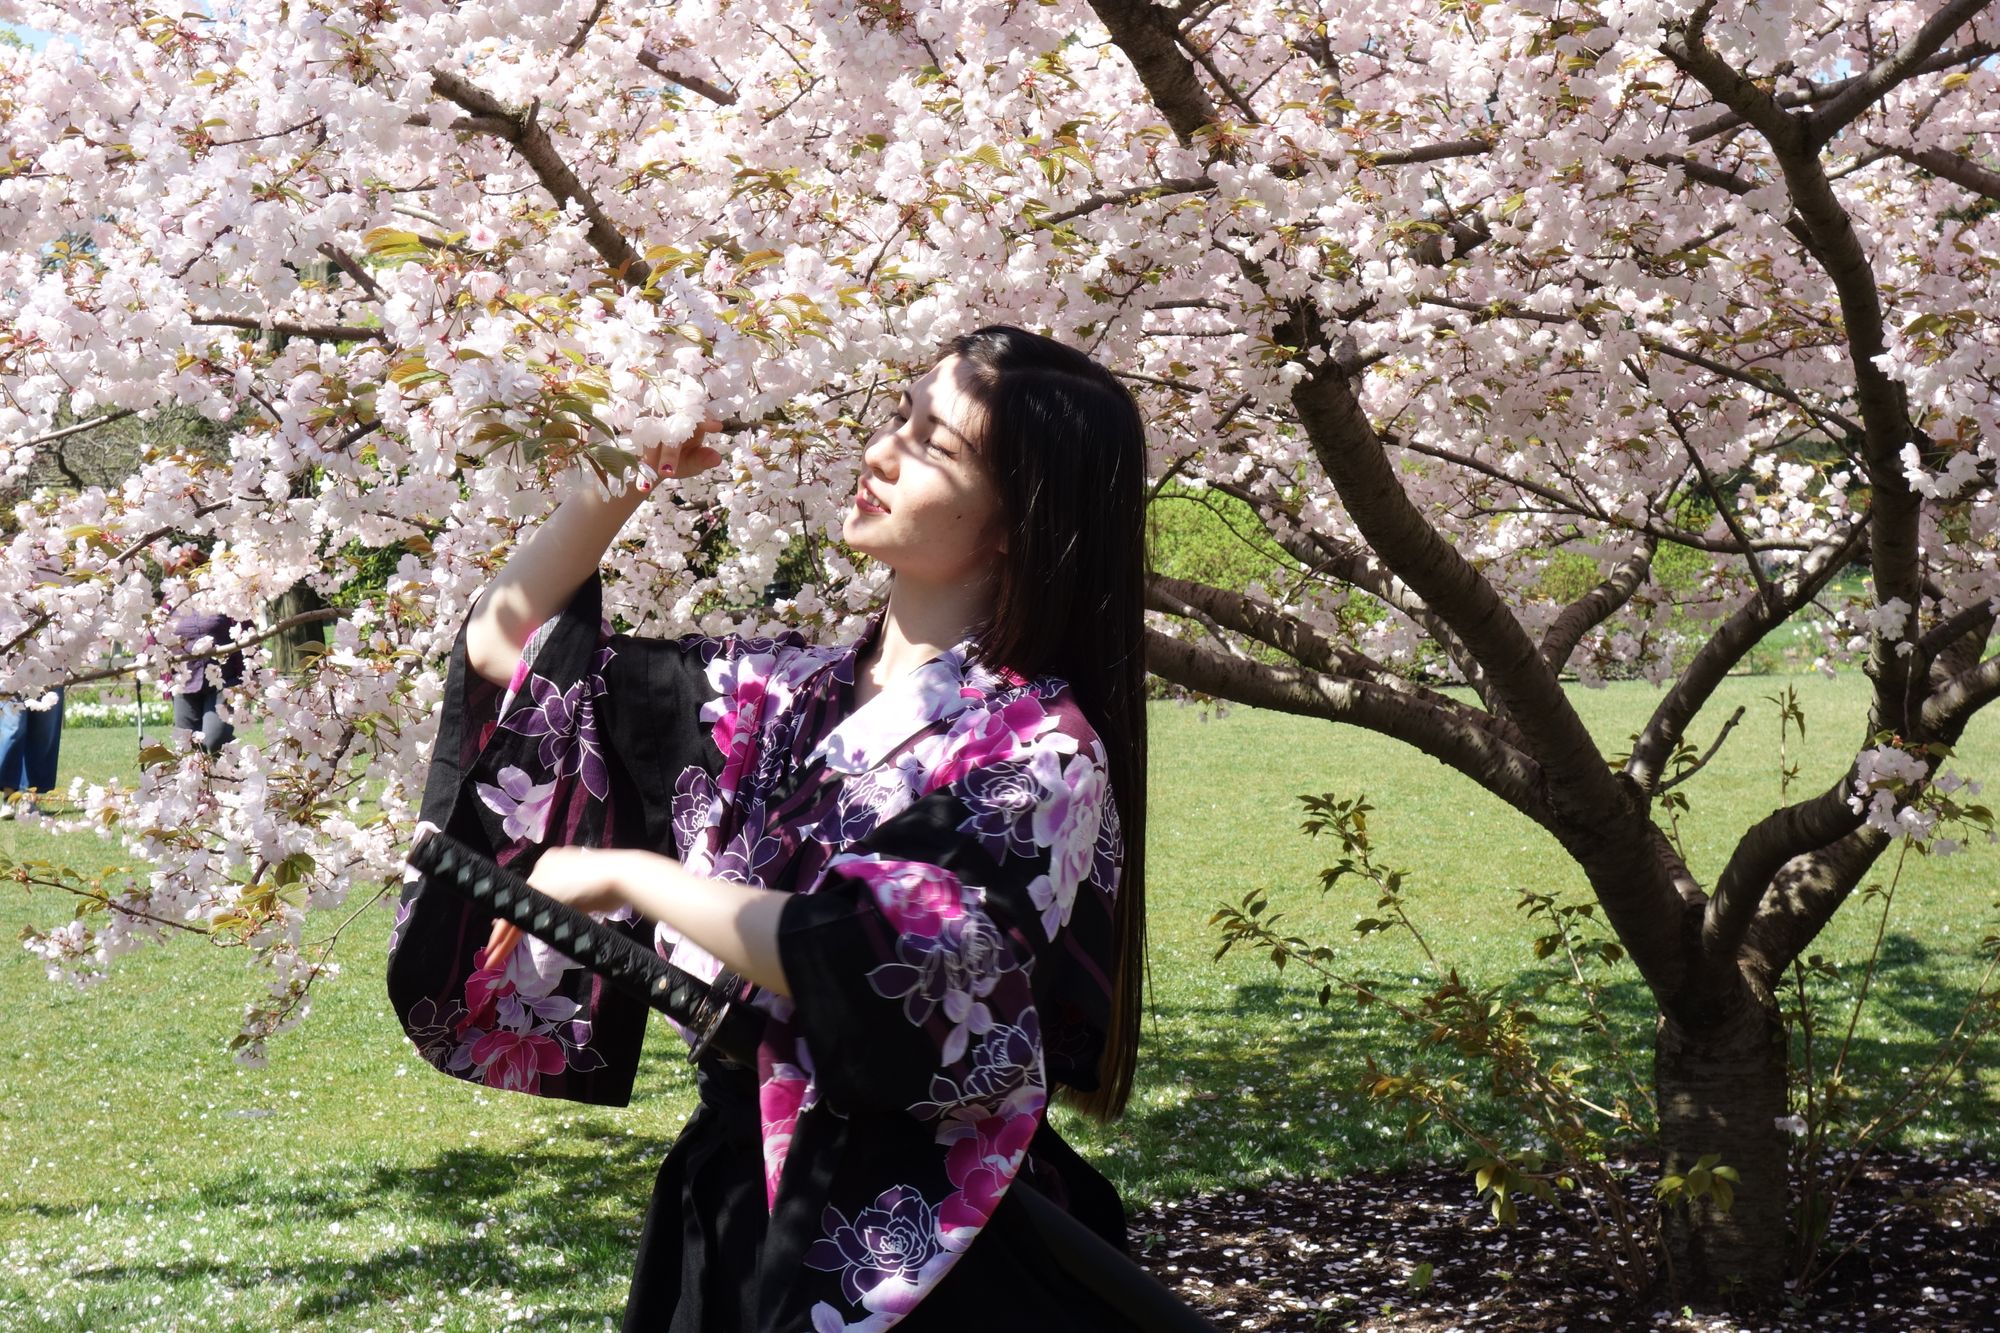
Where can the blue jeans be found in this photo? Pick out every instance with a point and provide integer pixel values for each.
(29, 743)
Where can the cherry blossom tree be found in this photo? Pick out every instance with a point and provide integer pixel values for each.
(1441, 292)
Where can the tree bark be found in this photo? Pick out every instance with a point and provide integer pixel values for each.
(288, 649)
(1722, 1089)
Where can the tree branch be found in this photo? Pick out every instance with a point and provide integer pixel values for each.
(1462, 745)
(315, 332)
(1766, 383)
(1267, 625)
(79, 428)
(1147, 35)
(1954, 703)
(1203, 58)
(1950, 166)
(1157, 190)
(585, 28)
(1598, 605)
(1805, 893)
(1952, 645)
(1701, 763)
(1746, 627)
(694, 83)
(219, 650)
(1877, 82)
(1821, 92)
(1785, 833)
(1830, 237)
(1430, 152)
(532, 142)
(1352, 455)
(352, 268)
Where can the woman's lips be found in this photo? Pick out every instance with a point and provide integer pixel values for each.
(865, 501)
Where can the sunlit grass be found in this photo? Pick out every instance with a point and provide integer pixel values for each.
(153, 1185)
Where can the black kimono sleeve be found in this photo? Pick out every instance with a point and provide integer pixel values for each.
(581, 750)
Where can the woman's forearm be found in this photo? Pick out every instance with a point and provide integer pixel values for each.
(541, 576)
(735, 922)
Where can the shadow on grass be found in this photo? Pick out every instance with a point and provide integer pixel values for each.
(548, 1224)
(1261, 1081)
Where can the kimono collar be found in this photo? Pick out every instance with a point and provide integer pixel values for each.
(938, 691)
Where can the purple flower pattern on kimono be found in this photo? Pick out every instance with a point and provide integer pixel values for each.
(566, 720)
(756, 687)
(524, 802)
(1051, 802)
(888, 1255)
(945, 956)
(1066, 822)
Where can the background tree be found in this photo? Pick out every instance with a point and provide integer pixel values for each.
(1438, 292)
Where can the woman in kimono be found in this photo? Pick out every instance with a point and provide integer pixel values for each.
(916, 855)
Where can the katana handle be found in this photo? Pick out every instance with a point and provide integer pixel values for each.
(633, 968)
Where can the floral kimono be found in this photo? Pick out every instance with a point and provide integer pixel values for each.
(951, 849)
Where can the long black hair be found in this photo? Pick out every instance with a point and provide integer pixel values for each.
(1066, 447)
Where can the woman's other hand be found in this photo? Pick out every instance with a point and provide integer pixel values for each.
(588, 879)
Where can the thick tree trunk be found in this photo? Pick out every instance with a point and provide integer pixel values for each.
(1722, 1090)
(288, 648)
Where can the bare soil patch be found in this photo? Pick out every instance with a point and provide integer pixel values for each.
(1345, 1254)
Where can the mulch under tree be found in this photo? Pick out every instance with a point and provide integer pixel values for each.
(1348, 1254)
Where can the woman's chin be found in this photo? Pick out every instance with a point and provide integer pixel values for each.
(854, 533)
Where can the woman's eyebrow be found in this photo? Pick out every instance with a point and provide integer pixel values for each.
(948, 428)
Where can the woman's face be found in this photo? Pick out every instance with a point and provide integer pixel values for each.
(925, 505)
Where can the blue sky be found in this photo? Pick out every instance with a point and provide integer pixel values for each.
(34, 37)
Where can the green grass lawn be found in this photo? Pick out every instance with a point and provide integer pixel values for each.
(151, 1184)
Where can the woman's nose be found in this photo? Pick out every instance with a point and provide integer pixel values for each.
(879, 455)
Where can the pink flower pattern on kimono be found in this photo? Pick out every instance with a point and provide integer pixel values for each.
(983, 1158)
(980, 737)
(524, 802)
(518, 1000)
(743, 682)
(784, 1090)
(750, 714)
(516, 1061)
(916, 897)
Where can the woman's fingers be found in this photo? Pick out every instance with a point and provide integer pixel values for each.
(695, 457)
(685, 459)
(501, 943)
(695, 454)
